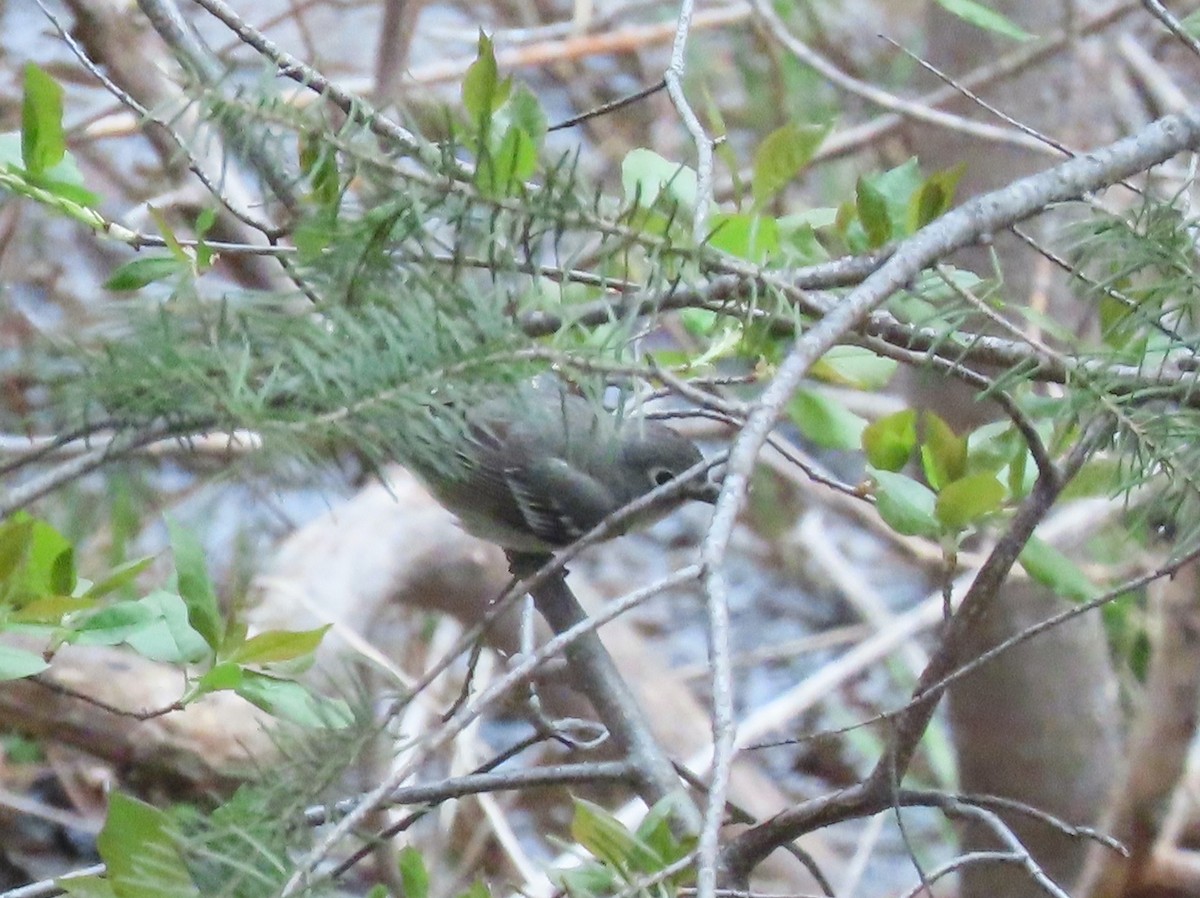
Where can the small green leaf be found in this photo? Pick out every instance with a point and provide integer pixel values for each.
(854, 366)
(893, 188)
(524, 111)
(140, 849)
(609, 841)
(872, 213)
(962, 502)
(170, 637)
(943, 452)
(138, 273)
(482, 91)
(218, 678)
(205, 220)
(119, 577)
(645, 176)
(986, 18)
(114, 624)
(655, 831)
(195, 587)
(325, 178)
(905, 505)
(477, 890)
(62, 572)
(35, 561)
(1052, 568)
(413, 873)
(889, 442)
(825, 422)
(588, 881)
(800, 242)
(934, 197)
(51, 609)
(751, 237)
(1191, 23)
(500, 171)
(43, 143)
(16, 536)
(782, 155)
(278, 645)
(1097, 477)
(16, 664)
(289, 700)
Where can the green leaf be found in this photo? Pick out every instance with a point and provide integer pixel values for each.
(782, 155)
(655, 831)
(138, 273)
(477, 890)
(170, 636)
(195, 587)
(59, 187)
(62, 572)
(16, 536)
(906, 506)
(500, 171)
(588, 881)
(825, 422)
(16, 664)
(119, 577)
(1191, 23)
(220, 677)
(609, 841)
(114, 624)
(36, 561)
(645, 176)
(523, 110)
(43, 143)
(800, 241)
(889, 442)
(962, 502)
(1022, 473)
(1052, 568)
(872, 213)
(986, 18)
(893, 188)
(156, 626)
(50, 564)
(482, 91)
(279, 645)
(934, 197)
(1097, 477)
(205, 220)
(413, 873)
(747, 236)
(853, 366)
(140, 849)
(51, 609)
(943, 453)
(289, 700)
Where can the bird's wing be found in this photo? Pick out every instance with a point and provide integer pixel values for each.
(559, 502)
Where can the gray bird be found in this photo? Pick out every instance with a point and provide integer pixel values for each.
(538, 469)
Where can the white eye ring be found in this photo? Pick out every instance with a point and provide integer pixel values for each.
(662, 476)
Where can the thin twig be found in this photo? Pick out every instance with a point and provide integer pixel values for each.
(598, 678)
(518, 674)
(673, 78)
(1172, 24)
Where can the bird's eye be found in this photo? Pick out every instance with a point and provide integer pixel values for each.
(663, 476)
